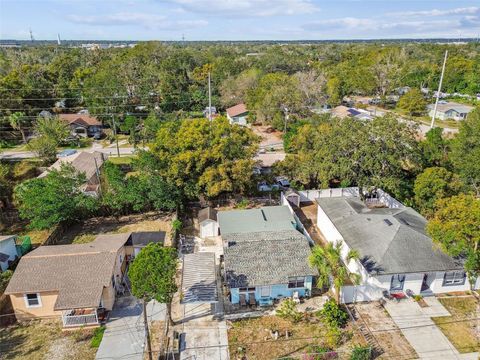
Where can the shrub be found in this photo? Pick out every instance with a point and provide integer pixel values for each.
(333, 315)
(97, 337)
(417, 298)
(288, 310)
(4, 279)
(361, 353)
(243, 204)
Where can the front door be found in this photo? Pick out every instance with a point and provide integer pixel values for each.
(427, 281)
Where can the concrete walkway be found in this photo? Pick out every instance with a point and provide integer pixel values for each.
(421, 332)
(124, 337)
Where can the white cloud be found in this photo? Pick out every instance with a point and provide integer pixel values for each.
(248, 8)
(435, 12)
(149, 21)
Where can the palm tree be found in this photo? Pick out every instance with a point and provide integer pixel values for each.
(328, 260)
(17, 120)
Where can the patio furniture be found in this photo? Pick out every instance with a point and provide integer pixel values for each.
(397, 295)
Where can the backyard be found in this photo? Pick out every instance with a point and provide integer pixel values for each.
(463, 327)
(253, 338)
(38, 340)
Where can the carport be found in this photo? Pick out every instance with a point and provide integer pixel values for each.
(199, 279)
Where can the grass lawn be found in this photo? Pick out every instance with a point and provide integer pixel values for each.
(252, 338)
(39, 340)
(121, 160)
(463, 333)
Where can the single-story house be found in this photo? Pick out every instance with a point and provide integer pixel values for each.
(396, 254)
(238, 114)
(83, 125)
(8, 251)
(77, 283)
(450, 110)
(84, 162)
(207, 221)
(138, 240)
(265, 257)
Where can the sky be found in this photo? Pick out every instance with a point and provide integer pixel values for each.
(238, 19)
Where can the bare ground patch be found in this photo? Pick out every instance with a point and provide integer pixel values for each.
(385, 331)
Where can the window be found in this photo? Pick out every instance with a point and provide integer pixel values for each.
(397, 282)
(33, 300)
(247, 289)
(452, 278)
(296, 282)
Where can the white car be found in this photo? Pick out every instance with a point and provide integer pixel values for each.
(282, 182)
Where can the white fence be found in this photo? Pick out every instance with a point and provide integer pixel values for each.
(80, 320)
(301, 228)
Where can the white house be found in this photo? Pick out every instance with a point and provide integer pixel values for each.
(8, 251)
(396, 254)
(450, 110)
(207, 220)
(237, 114)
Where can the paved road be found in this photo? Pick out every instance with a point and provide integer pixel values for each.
(124, 337)
(421, 332)
(21, 155)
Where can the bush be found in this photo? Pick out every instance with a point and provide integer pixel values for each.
(361, 353)
(243, 204)
(333, 315)
(97, 337)
(4, 279)
(288, 310)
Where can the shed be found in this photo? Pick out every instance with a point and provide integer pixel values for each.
(138, 240)
(207, 220)
(8, 251)
(293, 197)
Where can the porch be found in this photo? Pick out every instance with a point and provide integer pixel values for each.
(83, 317)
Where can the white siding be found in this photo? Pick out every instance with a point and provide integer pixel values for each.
(208, 228)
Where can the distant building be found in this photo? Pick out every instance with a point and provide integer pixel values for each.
(450, 110)
(238, 114)
(83, 125)
(213, 110)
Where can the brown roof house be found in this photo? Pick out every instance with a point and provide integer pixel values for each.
(82, 125)
(78, 282)
(84, 162)
(238, 114)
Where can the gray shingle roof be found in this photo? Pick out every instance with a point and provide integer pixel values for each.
(390, 241)
(268, 218)
(262, 236)
(267, 262)
(78, 272)
(199, 281)
(207, 213)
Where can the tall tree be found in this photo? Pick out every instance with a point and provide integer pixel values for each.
(435, 149)
(202, 158)
(50, 131)
(152, 275)
(19, 121)
(328, 260)
(54, 198)
(455, 227)
(432, 185)
(466, 151)
(413, 102)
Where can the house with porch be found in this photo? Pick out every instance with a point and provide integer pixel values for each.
(83, 125)
(77, 283)
(450, 110)
(265, 256)
(396, 253)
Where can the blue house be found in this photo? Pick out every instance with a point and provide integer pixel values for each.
(265, 257)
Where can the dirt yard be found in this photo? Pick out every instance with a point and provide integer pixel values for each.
(385, 331)
(270, 137)
(252, 338)
(460, 329)
(87, 231)
(39, 340)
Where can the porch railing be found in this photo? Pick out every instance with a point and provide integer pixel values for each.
(80, 320)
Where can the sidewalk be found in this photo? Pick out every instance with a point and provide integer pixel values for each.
(421, 332)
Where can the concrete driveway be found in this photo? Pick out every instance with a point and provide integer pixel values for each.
(124, 337)
(421, 332)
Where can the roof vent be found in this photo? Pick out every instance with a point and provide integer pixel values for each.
(388, 222)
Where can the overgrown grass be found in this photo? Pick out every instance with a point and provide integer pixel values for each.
(97, 337)
(122, 160)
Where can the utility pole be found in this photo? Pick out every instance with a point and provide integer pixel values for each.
(209, 98)
(285, 109)
(439, 89)
(115, 134)
(147, 333)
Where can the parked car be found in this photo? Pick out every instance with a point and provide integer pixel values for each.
(282, 182)
(66, 152)
(264, 186)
